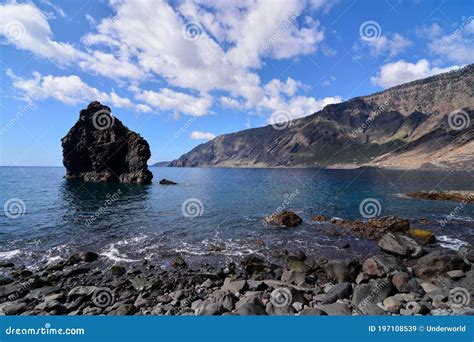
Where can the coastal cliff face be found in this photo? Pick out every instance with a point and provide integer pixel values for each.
(99, 148)
(422, 124)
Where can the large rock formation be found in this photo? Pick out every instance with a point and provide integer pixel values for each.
(421, 124)
(99, 148)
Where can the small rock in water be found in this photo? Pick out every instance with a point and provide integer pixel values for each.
(320, 218)
(285, 218)
(167, 182)
(82, 256)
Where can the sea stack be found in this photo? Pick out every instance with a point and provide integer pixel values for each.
(99, 148)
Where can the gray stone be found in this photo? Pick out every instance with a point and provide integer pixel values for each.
(342, 270)
(371, 309)
(373, 292)
(392, 304)
(234, 286)
(335, 309)
(211, 309)
(293, 277)
(312, 312)
(381, 265)
(400, 244)
(405, 282)
(338, 291)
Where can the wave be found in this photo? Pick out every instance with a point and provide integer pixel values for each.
(451, 243)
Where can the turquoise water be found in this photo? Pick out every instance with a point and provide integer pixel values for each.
(130, 223)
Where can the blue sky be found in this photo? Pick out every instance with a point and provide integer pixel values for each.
(181, 72)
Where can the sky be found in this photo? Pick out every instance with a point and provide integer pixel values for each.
(183, 72)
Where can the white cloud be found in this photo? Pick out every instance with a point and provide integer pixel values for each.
(170, 100)
(27, 28)
(280, 97)
(396, 73)
(458, 45)
(199, 135)
(391, 44)
(229, 102)
(129, 46)
(67, 89)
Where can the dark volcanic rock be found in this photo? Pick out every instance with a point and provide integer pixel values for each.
(373, 229)
(99, 148)
(285, 218)
(167, 182)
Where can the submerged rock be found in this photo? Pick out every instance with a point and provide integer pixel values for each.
(458, 196)
(285, 218)
(373, 229)
(99, 148)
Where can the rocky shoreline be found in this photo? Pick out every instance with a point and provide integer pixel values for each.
(406, 277)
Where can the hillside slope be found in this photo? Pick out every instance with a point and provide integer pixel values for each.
(425, 123)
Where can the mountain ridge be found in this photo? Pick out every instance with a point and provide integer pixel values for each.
(395, 128)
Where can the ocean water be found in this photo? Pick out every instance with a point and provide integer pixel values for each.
(214, 215)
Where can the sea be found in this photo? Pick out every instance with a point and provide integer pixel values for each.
(215, 215)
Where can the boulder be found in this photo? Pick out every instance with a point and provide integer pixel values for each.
(342, 270)
(99, 148)
(405, 283)
(400, 245)
(285, 218)
(373, 229)
(335, 309)
(338, 291)
(438, 262)
(253, 264)
(422, 236)
(82, 256)
(381, 265)
(374, 292)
